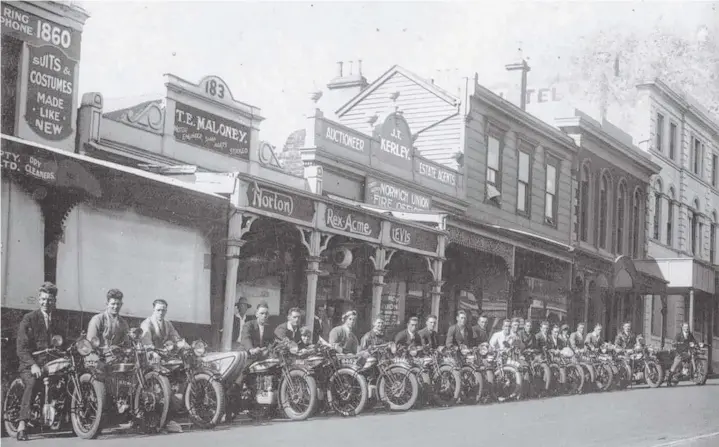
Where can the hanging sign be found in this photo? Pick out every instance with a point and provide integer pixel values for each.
(50, 92)
(280, 202)
(38, 32)
(342, 219)
(412, 237)
(209, 131)
(395, 142)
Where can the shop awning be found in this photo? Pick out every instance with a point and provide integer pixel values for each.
(425, 217)
(67, 169)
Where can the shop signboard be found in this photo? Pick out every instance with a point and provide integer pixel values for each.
(50, 92)
(391, 196)
(281, 203)
(209, 131)
(395, 143)
(29, 165)
(412, 237)
(344, 137)
(39, 32)
(434, 172)
(353, 223)
(389, 309)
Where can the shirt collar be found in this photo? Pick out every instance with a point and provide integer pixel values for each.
(289, 327)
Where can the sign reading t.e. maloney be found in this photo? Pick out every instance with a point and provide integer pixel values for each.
(209, 131)
(280, 202)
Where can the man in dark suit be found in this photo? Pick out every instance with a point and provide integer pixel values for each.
(626, 338)
(428, 335)
(34, 334)
(681, 345)
(291, 328)
(256, 334)
(241, 318)
(481, 335)
(555, 340)
(459, 334)
(409, 337)
(323, 324)
(542, 337)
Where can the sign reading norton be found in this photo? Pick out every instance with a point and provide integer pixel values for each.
(209, 131)
(280, 202)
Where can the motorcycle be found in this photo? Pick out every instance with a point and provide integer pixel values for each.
(137, 388)
(274, 381)
(506, 381)
(572, 374)
(620, 366)
(390, 378)
(694, 365)
(537, 375)
(199, 387)
(644, 365)
(69, 393)
(603, 371)
(472, 380)
(228, 366)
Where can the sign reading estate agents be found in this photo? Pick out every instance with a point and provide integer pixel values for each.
(209, 131)
(395, 142)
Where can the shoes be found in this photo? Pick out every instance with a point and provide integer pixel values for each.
(21, 435)
(173, 427)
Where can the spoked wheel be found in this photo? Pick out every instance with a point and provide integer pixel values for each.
(298, 395)
(589, 377)
(700, 372)
(559, 378)
(472, 385)
(205, 400)
(574, 383)
(11, 407)
(398, 388)
(604, 377)
(653, 374)
(347, 392)
(87, 406)
(152, 402)
(541, 379)
(489, 392)
(508, 383)
(625, 374)
(446, 386)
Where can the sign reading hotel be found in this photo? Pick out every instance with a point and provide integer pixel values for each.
(209, 131)
(39, 32)
(412, 237)
(274, 201)
(395, 141)
(345, 220)
(394, 197)
(50, 92)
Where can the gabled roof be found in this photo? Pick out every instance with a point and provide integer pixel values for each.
(395, 69)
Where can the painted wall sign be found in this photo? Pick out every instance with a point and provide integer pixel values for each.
(389, 309)
(548, 291)
(29, 165)
(344, 137)
(395, 142)
(209, 131)
(38, 32)
(280, 202)
(349, 221)
(413, 237)
(394, 197)
(50, 92)
(435, 171)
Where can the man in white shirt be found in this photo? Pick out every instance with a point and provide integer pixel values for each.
(156, 330)
(499, 339)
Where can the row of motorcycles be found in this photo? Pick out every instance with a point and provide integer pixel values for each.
(86, 388)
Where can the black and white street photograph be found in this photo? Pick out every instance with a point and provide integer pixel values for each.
(359, 223)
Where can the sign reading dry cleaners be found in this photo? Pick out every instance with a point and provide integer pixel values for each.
(345, 220)
(279, 202)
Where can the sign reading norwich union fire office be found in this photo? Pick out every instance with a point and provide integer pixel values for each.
(394, 197)
(209, 131)
(265, 198)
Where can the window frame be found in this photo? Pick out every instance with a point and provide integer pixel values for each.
(556, 163)
(670, 218)
(713, 240)
(636, 224)
(621, 223)
(499, 133)
(527, 148)
(714, 170)
(656, 225)
(697, 157)
(584, 199)
(603, 234)
(659, 134)
(673, 132)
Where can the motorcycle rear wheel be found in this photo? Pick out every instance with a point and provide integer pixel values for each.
(384, 388)
(574, 382)
(309, 385)
(448, 396)
(699, 376)
(338, 396)
(653, 378)
(154, 378)
(472, 385)
(92, 430)
(205, 383)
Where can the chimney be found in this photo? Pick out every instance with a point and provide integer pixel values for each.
(517, 93)
(348, 83)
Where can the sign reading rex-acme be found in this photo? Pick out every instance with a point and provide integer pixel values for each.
(283, 203)
(209, 131)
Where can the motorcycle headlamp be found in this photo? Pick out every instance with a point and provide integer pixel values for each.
(199, 347)
(413, 352)
(56, 341)
(84, 347)
(465, 350)
(182, 344)
(95, 342)
(483, 349)
(169, 345)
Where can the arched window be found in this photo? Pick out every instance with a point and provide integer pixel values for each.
(621, 203)
(636, 206)
(584, 205)
(713, 239)
(603, 211)
(657, 210)
(670, 218)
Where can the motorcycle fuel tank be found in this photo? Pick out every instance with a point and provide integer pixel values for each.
(56, 366)
(227, 364)
(263, 365)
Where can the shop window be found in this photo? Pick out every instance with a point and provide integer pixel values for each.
(550, 195)
(584, 205)
(660, 133)
(11, 58)
(716, 318)
(603, 211)
(523, 183)
(621, 201)
(656, 315)
(672, 140)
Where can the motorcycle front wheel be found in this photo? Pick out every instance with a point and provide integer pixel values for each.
(589, 376)
(509, 383)
(446, 386)
(472, 385)
(398, 388)
(653, 373)
(347, 392)
(298, 395)
(152, 402)
(605, 377)
(574, 383)
(205, 400)
(699, 376)
(11, 406)
(86, 413)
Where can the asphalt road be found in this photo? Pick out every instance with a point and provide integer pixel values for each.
(667, 417)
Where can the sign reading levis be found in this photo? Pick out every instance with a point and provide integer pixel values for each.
(413, 237)
(395, 142)
(280, 202)
(342, 219)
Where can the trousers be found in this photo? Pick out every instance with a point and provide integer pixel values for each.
(29, 381)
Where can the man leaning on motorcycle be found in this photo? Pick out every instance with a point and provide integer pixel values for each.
(683, 341)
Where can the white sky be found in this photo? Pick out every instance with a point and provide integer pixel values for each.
(271, 54)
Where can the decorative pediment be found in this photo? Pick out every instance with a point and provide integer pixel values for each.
(149, 115)
(267, 155)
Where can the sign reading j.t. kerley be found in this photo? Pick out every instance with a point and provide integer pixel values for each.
(395, 142)
(209, 131)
